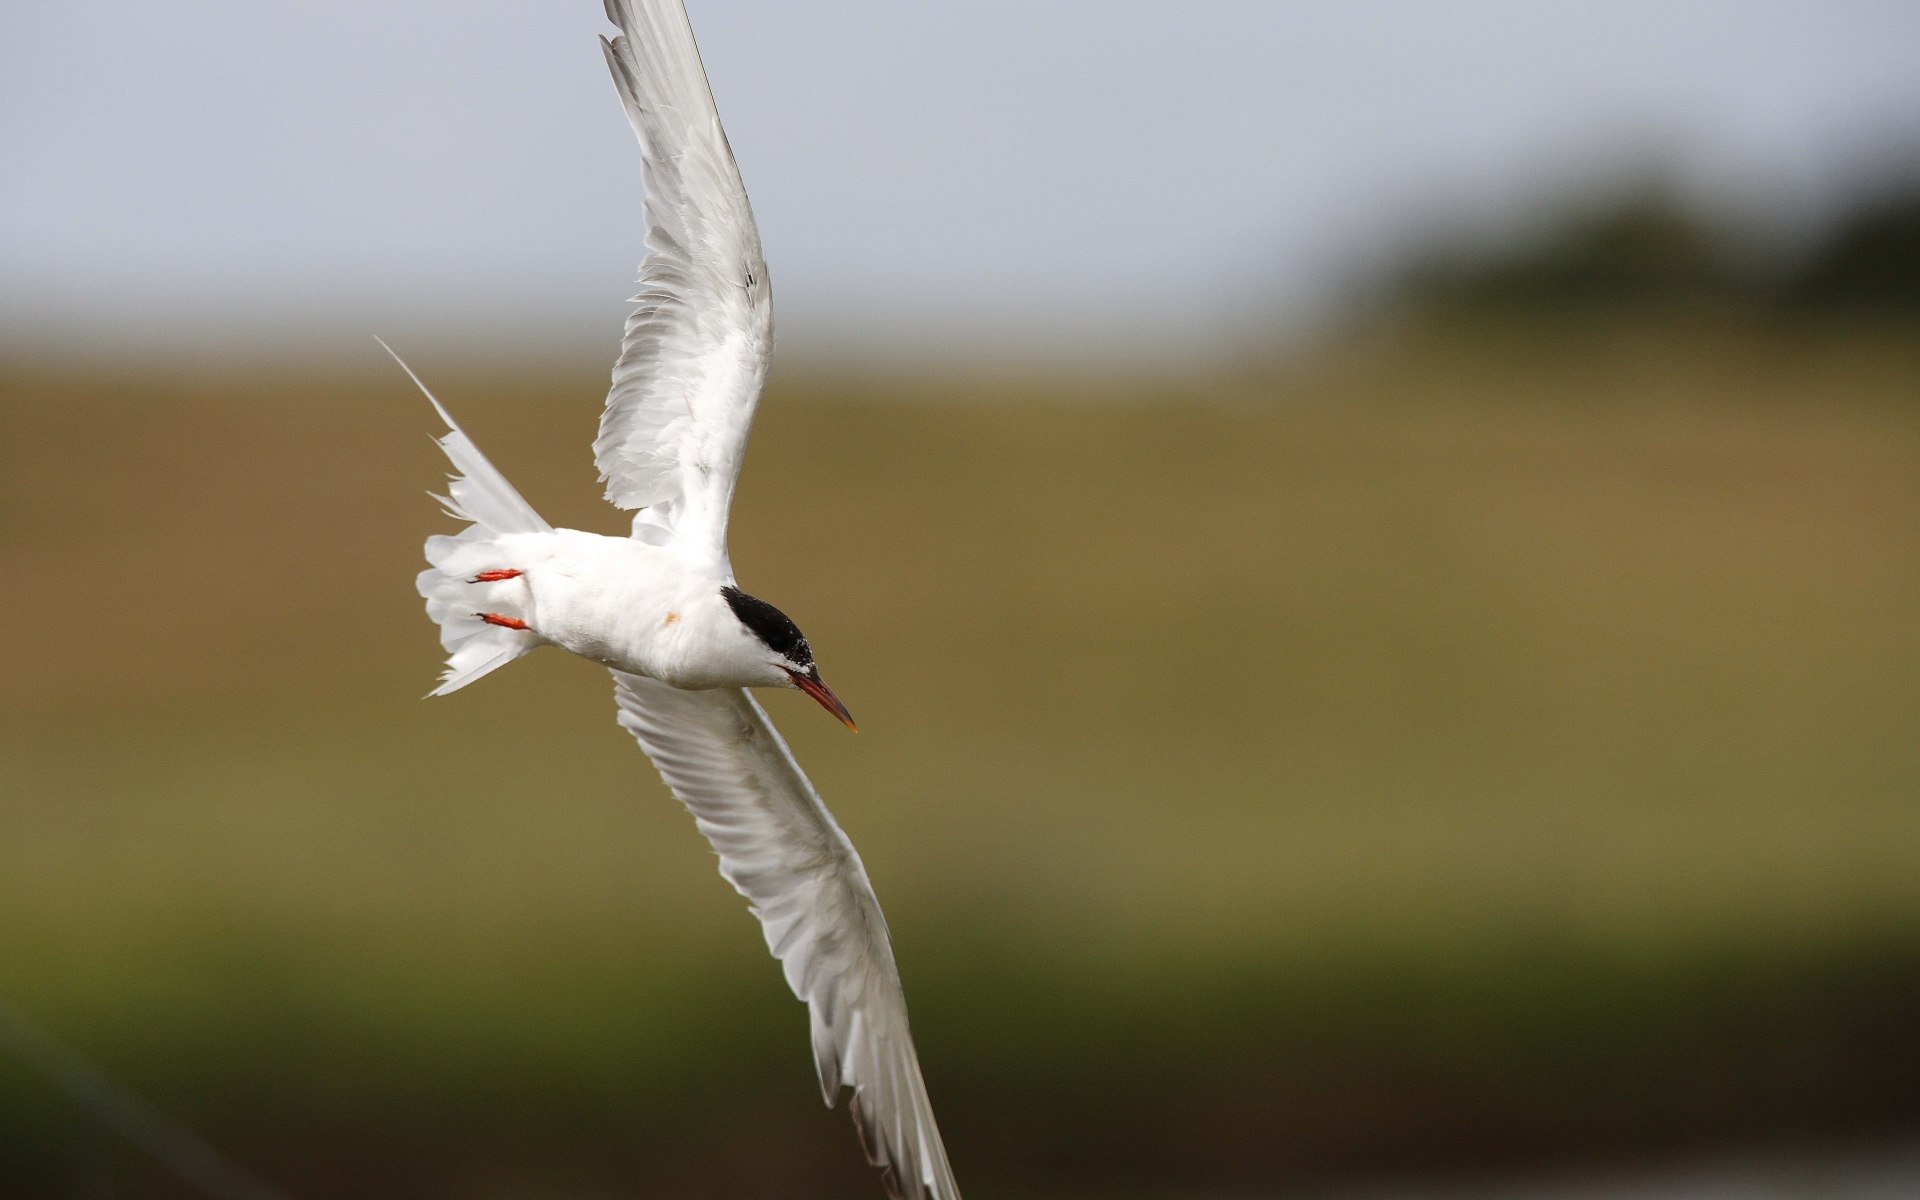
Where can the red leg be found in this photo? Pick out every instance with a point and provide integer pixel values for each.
(495, 576)
(503, 622)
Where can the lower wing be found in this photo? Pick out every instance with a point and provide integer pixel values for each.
(780, 848)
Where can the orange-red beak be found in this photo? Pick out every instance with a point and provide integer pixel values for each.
(811, 685)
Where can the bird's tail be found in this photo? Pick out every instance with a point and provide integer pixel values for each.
(480, 495)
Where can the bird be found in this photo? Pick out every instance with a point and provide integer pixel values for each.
(662, 611)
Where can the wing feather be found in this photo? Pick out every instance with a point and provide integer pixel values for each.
(782, 850)
(696, 348)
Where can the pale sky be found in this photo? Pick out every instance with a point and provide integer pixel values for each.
(1057, 173)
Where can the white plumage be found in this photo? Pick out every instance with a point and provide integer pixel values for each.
(696, 350)
(662, 609)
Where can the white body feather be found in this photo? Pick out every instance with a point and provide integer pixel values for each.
(650, 607)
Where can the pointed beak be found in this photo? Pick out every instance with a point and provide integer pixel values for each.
(811, 685)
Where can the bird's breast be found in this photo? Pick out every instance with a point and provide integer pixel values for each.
(616, 601)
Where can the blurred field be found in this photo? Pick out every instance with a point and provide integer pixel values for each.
(1419, 756)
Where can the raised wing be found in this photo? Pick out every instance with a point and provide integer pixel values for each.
(696, 349)
(780, 848)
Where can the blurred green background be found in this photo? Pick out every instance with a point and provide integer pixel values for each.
(1441, 750)
(1471, 743)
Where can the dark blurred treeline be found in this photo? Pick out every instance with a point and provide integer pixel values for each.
(1645, 250)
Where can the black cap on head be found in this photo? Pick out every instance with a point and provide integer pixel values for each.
(770, 625)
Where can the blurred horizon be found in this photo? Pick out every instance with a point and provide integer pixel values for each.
(1110, 182)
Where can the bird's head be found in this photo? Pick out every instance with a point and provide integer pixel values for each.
(786, 648)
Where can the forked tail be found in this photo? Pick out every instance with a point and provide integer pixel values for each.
(479, 494)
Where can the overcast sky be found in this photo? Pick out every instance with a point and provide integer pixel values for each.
(1063, 172)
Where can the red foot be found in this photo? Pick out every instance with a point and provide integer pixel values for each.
(503, 622)
(494, 576)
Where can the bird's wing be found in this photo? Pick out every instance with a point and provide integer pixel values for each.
(696, 349)
(780, 848)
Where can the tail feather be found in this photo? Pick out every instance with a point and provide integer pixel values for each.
(480, 495)
(479, 492)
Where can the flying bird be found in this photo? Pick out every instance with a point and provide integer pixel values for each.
(661, 608)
